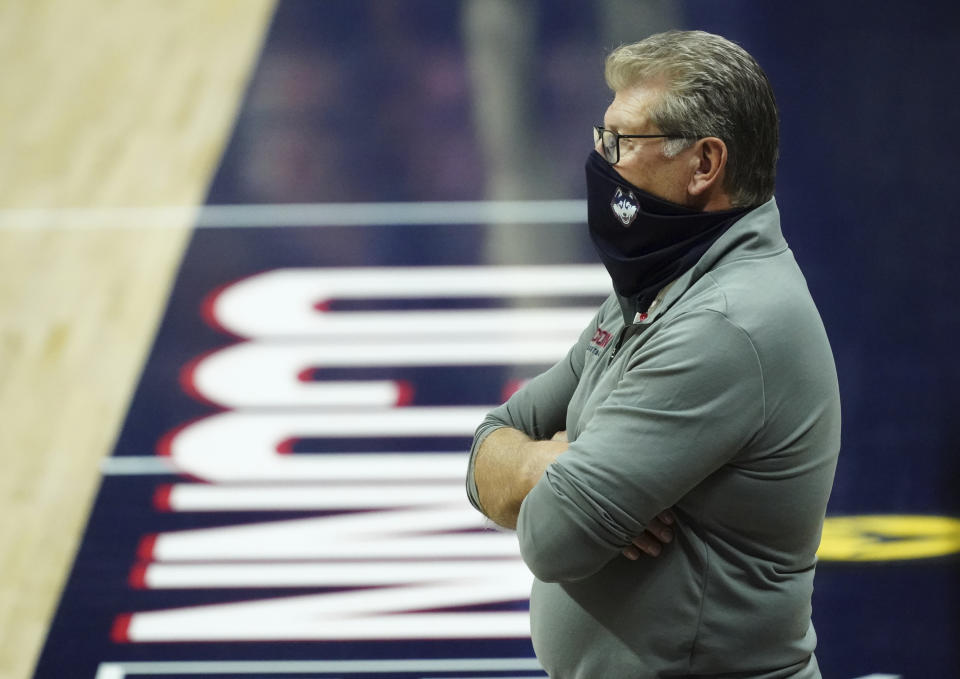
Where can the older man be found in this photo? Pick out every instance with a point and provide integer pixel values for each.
(668, 478)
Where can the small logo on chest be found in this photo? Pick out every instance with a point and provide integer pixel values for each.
(601, 338)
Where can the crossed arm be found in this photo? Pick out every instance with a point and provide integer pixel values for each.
(677, 413)
(509, 464)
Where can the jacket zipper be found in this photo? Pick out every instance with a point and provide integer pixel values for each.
(616, 347)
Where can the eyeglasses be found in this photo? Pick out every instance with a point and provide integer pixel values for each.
(609, 141)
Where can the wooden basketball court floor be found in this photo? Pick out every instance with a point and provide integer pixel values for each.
(103, 105)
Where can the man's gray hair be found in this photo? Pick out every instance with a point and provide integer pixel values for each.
(712, 88)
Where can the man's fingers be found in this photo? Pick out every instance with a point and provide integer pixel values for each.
(660, 531)
(657, 534)
(647, 544)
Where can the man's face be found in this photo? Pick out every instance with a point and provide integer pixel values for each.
(642, 162)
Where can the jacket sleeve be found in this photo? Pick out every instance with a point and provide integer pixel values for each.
(539, 409)
(690, 398)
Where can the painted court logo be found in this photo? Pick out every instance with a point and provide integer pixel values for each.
(625, 206)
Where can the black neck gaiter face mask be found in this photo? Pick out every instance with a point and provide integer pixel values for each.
(644, 241)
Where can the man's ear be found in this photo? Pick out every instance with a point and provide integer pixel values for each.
(706, 182)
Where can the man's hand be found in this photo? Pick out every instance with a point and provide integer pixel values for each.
(657, 534)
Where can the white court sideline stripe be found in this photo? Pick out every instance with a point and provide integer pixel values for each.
(145, 465)
(120, 670)
(301, 214)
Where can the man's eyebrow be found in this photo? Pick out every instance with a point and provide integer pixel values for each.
(616, 125)
(619, 129)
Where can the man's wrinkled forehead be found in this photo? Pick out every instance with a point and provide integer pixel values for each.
(630, 110)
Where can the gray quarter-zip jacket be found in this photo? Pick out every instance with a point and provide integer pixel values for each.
(720, 402)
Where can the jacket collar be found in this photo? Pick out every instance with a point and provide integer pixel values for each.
(756, 234)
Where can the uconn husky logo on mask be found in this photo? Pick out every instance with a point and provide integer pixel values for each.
(624, 206)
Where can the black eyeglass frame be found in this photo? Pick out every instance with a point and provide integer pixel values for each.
(599, 130)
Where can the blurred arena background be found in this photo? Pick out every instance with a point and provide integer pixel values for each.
(129, 128)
